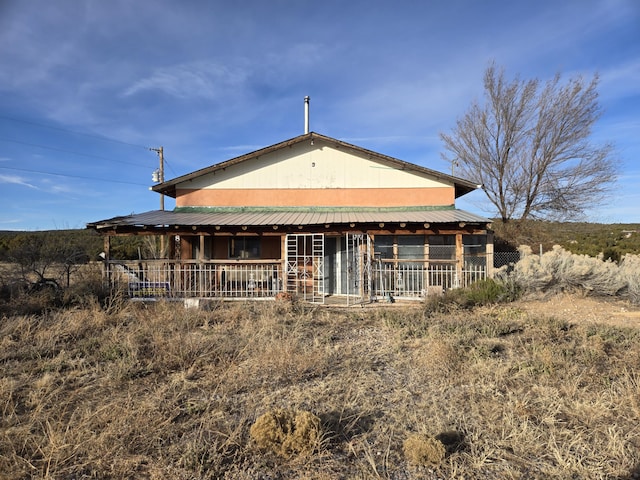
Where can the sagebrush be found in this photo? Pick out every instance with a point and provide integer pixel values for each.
(559, 270)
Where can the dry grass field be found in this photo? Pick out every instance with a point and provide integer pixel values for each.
(277, 390)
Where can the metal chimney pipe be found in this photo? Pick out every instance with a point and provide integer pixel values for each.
(306, 114)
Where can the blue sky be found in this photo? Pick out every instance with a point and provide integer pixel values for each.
(87, 87)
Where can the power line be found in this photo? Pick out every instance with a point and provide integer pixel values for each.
(62, 150)
(100, 137)
(72, 176)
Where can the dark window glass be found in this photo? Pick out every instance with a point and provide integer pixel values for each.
(244, 247)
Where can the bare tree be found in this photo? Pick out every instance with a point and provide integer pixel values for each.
(529, 146)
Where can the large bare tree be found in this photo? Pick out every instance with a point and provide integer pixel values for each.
(529, 145)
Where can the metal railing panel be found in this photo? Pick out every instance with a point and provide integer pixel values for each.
(154, 279)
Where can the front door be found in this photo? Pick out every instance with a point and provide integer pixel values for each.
(305, 259)
(358, 271)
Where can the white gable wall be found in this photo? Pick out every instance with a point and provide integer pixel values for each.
(305, 166)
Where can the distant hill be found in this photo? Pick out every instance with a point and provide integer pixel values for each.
(611, 240)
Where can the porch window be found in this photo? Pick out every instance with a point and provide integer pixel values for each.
(474, 244)
(195, 247)
(475, 249)
(244, 247)
(384, 247)
(442, 247)
(410, 247)
(399, 247)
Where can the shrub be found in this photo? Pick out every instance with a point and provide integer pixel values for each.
(423, 450)
(560, 270)
(630, 272)
(287, 432)
(488, 291)
(482, 292)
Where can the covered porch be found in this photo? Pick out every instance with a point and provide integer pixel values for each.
(355, 256)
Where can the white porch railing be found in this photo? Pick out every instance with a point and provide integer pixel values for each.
(263, 279)
(412, 279)
(190, 278)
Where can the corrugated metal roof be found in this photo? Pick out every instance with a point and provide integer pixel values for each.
(157, 218)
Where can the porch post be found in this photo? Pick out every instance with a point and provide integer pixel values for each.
(283, 263)
(459, 258)
(106, 268)
(489, 254)
(201, 250)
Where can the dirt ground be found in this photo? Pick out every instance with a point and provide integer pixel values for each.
(578, 309)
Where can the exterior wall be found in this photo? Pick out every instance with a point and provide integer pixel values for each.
(369, 197)
(314, 175)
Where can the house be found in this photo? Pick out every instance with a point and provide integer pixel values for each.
(312, 216)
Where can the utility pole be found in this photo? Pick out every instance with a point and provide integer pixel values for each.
(158, 176)
(160, 152)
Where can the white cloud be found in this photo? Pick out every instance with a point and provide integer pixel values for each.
(199, 79)
(16, 180)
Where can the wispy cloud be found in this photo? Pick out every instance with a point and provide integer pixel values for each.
(200, 79)
(16, 180)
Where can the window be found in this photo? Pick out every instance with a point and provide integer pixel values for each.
(474, 244)
(442, 247)
(411, 247)
(399, 247)
(244, 247)
(195, 247)
(384, 246)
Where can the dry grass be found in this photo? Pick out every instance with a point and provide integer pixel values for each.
(132, 391)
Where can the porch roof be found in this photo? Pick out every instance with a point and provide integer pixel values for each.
(258, 217)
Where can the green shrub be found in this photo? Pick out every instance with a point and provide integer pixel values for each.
(483, 292)
(488, 291)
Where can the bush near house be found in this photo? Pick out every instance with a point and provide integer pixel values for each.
(559, 270)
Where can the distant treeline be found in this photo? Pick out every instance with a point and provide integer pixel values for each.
(77, 245)
(612, 241)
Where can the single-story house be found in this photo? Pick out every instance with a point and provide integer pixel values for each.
(314, 217)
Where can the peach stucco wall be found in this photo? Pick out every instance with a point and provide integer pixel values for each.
(365, 197)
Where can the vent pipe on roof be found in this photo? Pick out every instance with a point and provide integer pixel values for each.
(306, 114)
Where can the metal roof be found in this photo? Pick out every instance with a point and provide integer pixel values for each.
(253, 218)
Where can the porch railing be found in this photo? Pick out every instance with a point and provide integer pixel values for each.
(192, 278)
(263, 279)
(412, 279)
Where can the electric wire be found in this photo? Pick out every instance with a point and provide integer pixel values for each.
(100, 137)
(62, 150)
(72, 176)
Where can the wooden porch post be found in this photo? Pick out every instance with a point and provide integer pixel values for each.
(459, 258)
(201, 250)
(489, 254)
(106, 269)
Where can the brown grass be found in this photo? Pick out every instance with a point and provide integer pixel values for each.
(158, 391)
